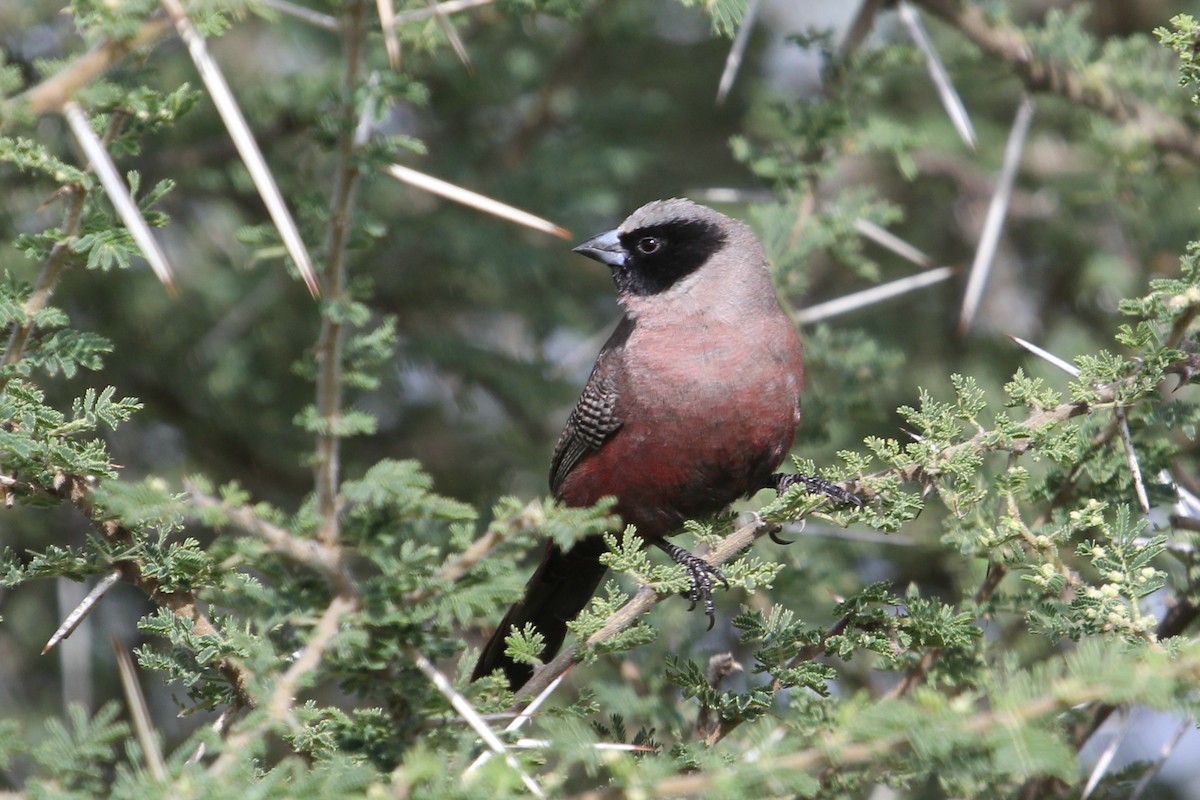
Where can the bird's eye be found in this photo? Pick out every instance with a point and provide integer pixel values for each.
(648, 244)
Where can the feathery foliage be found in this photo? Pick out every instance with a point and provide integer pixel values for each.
(317, 506)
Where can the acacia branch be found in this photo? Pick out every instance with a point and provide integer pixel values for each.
(331, 343)
(1008, 45)
(182, 603)
(742, 538)
(1066, 694)
(317, 556)
(624, 617)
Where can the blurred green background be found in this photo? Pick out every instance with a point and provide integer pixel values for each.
(579, 120)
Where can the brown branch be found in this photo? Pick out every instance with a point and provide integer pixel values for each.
(317, 556)
(1165, 132)
(50, 95)
(331, 343)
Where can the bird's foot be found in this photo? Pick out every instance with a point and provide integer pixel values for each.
(702, 574)
(782, 481)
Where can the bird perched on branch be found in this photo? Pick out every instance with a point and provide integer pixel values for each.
(692, 403)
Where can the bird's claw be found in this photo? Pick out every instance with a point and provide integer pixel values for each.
(773, 535)
(701, 574)
(782, 481)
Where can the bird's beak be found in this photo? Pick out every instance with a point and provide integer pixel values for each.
(604, 247)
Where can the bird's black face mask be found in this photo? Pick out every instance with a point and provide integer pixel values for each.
(652, 259)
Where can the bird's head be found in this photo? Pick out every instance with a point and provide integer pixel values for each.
(661, 244)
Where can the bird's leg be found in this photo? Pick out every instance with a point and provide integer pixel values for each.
(701, 573)
(781, 481)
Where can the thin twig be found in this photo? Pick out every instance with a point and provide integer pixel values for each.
(316, 555)
(47, 279)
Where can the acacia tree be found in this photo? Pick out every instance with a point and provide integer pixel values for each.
(1021, 572)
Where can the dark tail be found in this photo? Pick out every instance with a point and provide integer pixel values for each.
(557, 592)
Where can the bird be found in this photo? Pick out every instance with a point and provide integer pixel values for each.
(692, 403)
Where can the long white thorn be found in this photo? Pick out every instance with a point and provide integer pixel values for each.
(1047, 356)
(449, 7)
(885, 238)
(1135, 469)
(139, 712)
(1106, 757)
(79, 614)
(986, 252)
(387, 23)
(737, 51)
(468, 713)
(475, 200)
(937, 73)
(314, 18)
(868, 297)
(118, 192)
(522, 718)
(243, 140)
